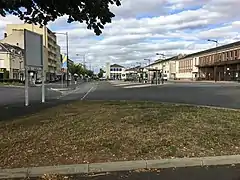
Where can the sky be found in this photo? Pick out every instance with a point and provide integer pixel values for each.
(143, 28)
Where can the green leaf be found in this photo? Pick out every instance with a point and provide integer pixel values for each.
(95, 13)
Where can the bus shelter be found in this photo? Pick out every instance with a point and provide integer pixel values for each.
(155, 76)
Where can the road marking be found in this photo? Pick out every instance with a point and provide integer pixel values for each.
(126, 84)
(141, 86)
(87, 93)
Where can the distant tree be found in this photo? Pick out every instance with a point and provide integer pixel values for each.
(79, 70)
(95, 13)
(100, 74)
(76, 69)
(89, 73)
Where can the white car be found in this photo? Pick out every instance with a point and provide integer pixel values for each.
(102, 79)
(165, 78)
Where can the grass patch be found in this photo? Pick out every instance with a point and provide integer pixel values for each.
(102, 131)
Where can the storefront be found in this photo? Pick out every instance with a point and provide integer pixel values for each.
(221, 71)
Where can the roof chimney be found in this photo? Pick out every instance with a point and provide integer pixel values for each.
(5, 35)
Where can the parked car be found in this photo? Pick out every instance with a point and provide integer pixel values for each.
(38, 81)
(102, 79)
(165, 78)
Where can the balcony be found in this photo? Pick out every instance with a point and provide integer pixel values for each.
(52, 45)
(52, 56)
(52, 64)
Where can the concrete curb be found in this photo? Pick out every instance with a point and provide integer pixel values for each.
(207, 82)
(62, 89)
(118, 166)
(11, 86)
(67, 88)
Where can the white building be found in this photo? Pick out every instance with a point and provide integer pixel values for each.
(168, 67)
(11, 61)
(133, 73)
(117, 72)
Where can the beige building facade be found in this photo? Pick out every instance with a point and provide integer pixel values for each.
(14, 35)
(221, 63)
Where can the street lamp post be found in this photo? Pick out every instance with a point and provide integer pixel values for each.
(212, 40)
(66, 34)
(149, 62)
(84, 66)
(161, 54)
(215, 67)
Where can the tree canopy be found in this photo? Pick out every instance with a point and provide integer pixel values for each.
(79, 70)
(95, 13)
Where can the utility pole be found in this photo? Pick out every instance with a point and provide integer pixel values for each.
(67, 58)
(66, 34)
(84, 61)
(149, 63)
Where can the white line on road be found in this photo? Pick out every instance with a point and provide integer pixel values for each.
(87, 93)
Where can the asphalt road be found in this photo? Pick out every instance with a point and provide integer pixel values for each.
(13, 95)
(220, 95)
(12, 99)
(190, 173)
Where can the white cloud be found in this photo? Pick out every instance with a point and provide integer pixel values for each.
(141, 28)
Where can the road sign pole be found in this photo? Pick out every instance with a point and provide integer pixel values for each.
(43, 86)
(26, 86)
(157, 77)
(62, 80)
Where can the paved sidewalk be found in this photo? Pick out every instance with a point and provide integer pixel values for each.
(210, 82)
